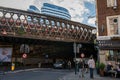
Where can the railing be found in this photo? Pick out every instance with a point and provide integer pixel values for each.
(19, 23)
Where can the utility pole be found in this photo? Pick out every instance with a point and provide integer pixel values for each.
(74, 48)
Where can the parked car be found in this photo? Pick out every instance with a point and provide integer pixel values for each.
(59, 64)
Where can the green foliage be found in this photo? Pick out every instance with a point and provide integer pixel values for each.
(97, 64)
(102, 66)
(21, 31)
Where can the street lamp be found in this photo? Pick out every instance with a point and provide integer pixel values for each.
(98, 50)
(94, 32)
(96, 46)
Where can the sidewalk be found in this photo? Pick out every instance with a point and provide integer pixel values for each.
(72, 76)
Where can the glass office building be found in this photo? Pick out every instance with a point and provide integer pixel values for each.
(33, 8)
(57, 11)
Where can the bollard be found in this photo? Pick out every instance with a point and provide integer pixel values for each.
(13, 67)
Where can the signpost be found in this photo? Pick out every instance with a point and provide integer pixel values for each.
(24, 55)
(24, 48)
(82, 55)
(76, 50)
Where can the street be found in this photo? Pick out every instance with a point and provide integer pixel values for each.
(50, 74)
(39, 74)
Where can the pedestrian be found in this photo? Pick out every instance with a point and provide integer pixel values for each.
(91, 64)
(118, 67)
(86, 65)
(69, 65)
(39, 64)
(81, 67)
(111, 70)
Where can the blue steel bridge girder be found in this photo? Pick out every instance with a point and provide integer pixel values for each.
(19, 23)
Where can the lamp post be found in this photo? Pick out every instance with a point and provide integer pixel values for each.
(94, 31)
(98, 50)
(96, 44)
(98, 57)
(76, 50)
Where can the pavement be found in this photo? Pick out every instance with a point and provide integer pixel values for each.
(72, 76)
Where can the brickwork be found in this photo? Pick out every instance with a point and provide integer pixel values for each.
(102, 12)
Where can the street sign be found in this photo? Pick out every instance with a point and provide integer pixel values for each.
(78, 47)
(82, 55)
(24, 55)
(24, 48)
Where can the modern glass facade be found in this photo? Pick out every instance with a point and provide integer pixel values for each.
(57, 11)
(33, 8)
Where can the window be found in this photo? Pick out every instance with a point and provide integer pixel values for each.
(112, 55)
(111, 3)
(113, 25)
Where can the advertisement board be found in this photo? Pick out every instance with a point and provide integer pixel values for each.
(5, 54)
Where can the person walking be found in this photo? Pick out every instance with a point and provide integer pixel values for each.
(69, 65)
(81, 67)
(91, 64)
(86, 65)
(39, 64)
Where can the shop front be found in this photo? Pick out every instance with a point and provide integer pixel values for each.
(109, 51)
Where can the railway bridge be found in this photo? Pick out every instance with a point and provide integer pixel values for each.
(47, 35)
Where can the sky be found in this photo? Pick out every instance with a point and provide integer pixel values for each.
(82, 11)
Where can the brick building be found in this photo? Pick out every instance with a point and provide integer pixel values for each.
(108, 22)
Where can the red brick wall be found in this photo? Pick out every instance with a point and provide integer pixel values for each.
(102, 12)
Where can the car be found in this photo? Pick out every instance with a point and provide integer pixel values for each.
(59, 65)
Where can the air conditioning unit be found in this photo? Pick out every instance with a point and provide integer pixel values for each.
(114, 7)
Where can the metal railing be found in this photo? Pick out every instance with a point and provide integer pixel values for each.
(19, 23)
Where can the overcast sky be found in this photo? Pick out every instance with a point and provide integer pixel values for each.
(82, 11)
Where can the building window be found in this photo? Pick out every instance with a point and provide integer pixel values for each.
(113, 25)
(111, 3)
(113, 55)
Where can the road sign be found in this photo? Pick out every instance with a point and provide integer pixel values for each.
(24, 55)
(24, 48)
(82, 55)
